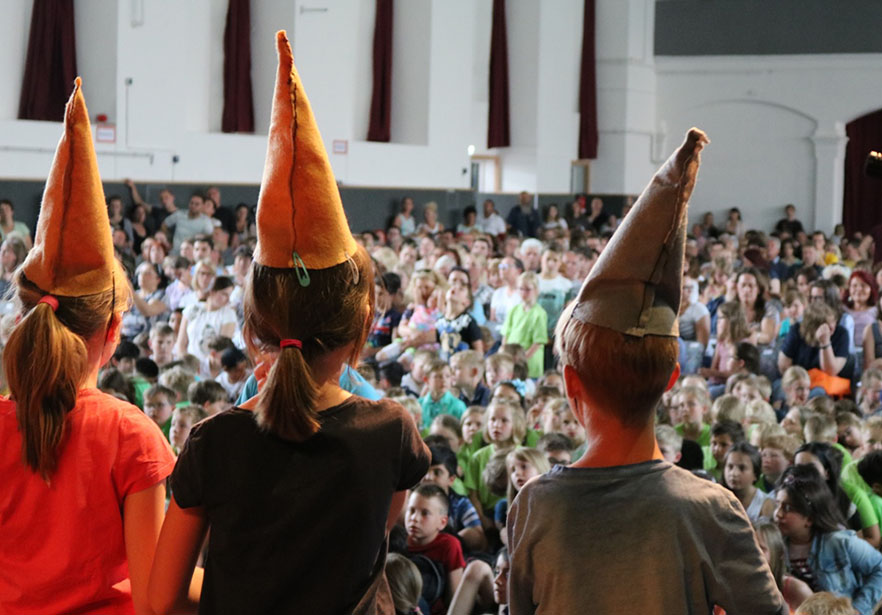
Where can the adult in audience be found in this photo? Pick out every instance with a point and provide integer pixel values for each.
(10, 226)
(12, 254)
(749, 289)
(859, 299)
(206, 319)
(187, 224)
(430, 224)
(490, 221)
(818, 342)
(789, 224)
(405, 219)
(523, 219)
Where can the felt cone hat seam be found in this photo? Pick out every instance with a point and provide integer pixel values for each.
(73, 247)
(300, 218)
(635, 286)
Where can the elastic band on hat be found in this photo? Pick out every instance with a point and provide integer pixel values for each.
(286, 343)
(49, 300)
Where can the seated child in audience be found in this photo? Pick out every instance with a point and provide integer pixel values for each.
(522, 464)
(389, 375)
(413, 408)
(178, 379)
(552, 378)
(669, 443)
(543, 397)
(745, 359)
(405, 584)
(689, 414)
(724, 435)
(822, 428)
(498, 368)
(557, 448)
(425, 516)
(759, 414)
(483, 587)
(124, 357)
(208, 395)
(796, 385)
(741, 469)
(217, 345)
(732, 329)
(729, 408)
(526, 324)
(236, 369)
(777, 451)
(504, 429)
(426, 289)
(873, 433)
(114, 382)
(456, 329)
(745, 387)
(468, 375)
(439, 399)
(870, 392)
(811, 524)
(821, 404)
(826, 603)
(162, 344)
(849, 431)
(794, 307)
(463, 519)
(159, 402)
(447, 426)
(182, 421)
(415, 381)
(387, 287)
(368, 371)
(472, 425)
(772, 545)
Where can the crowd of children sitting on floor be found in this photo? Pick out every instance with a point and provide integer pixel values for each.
(779, 344)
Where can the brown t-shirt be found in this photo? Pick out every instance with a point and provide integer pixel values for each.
(298, 527)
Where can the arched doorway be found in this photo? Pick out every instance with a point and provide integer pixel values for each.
(862, 198)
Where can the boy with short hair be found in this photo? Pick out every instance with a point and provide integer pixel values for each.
(670, 443)
(424, 518)
(498, 368)
(439, 399)
(724, 435)
(558, 448)
(468, 375)
(178, 379)
(159, 402)
(235, 372)
(208, 395)
(162, 344)
(575, 548)
(463, 519)
(182, 421)
(777, 451)
(124, 357)
(415, 381)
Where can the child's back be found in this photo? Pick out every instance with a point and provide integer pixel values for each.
(695, 547)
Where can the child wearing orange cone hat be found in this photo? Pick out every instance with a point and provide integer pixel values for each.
(300, 484)
(83, 485)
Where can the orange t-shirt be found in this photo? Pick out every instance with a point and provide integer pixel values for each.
(62, 548)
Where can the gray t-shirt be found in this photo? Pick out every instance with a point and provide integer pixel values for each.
(649, 538)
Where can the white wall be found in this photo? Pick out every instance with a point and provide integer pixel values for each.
(777, 129)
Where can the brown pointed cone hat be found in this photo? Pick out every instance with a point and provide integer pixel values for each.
(634, 287)
(73, 245)
(300, 219)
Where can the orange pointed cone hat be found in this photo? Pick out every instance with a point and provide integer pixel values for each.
(73, 246)
(634, 287)
(300, 219)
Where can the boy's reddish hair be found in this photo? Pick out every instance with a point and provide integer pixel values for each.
(627, 374)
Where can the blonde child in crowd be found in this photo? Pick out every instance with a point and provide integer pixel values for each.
(794, 307)
(741, 469)
(504, 428)
(776, 451)
(670, 443)
(822, 428)
(870, 392)
(182, 421)
(522, 465)
(771, 544)
(159, 402)
(439, 399)
(688, 414)
(796, 385)
(826, 603)
(467, 367)
(849, 431)
(405, 583)
(745, 387)
(526, 324)
(178, 379)
(414, 382)
(472, 424)
(425, 515)
(426, 290)
(413, 409)
(498, 368)
(162, 344)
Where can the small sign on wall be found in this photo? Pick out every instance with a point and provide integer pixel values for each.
(340, 146)
(105, 133)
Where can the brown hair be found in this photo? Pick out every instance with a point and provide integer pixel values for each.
(46, 360)
(325, 315)
(627, 374)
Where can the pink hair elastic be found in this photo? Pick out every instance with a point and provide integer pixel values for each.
(294, 343)
(50, 301)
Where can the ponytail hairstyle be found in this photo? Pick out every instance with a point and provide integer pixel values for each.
(46, 360)
(333, 310)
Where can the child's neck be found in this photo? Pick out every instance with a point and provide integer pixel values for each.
(422, 542)
(528, 306)
(609, 443)
(452, 312)
(745, 496)
(468, 388)
(691, 431)
(436, 395)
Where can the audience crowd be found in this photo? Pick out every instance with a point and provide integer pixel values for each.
(780, 397)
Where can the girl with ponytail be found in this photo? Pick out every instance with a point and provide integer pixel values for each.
(82, 474)
(298, 487)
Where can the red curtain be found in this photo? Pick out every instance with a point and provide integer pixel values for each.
(381, 98)
(498, 122)
(51, 64)
(862, 200)
(238, 100)
(588, 88)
